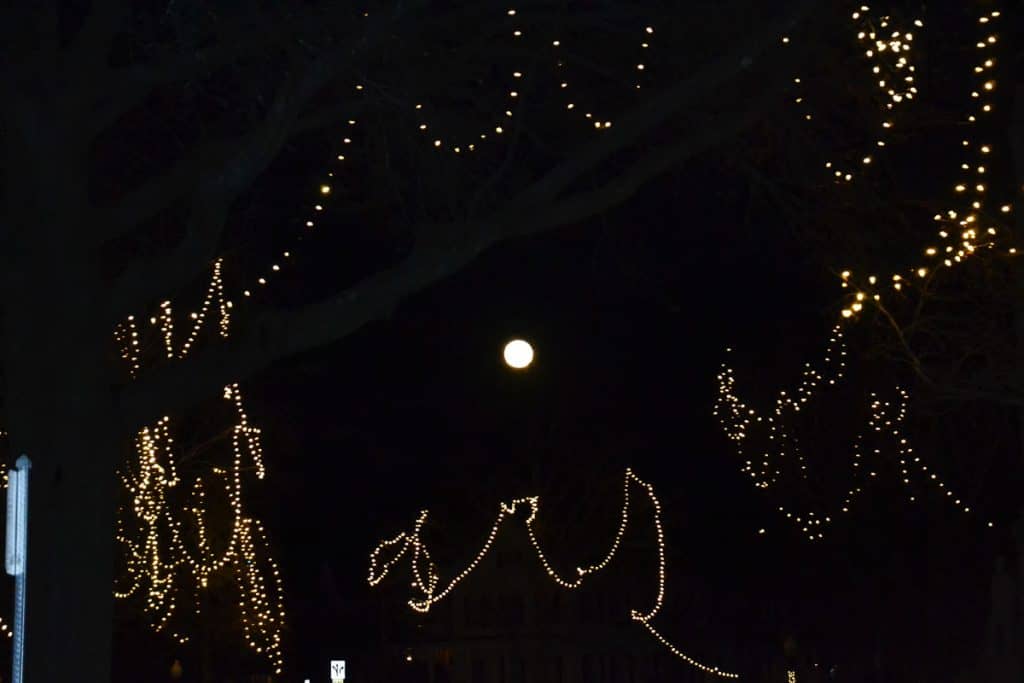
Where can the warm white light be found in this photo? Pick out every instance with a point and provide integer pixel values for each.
(425, 579)
(518, 354)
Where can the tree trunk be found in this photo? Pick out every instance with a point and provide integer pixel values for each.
(1002, 659)
(59, 407)
(206, 645)
(1017, 148)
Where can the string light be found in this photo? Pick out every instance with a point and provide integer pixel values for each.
(966, 228)
(961, 233)
(888, 51)
(324, 192)
(155, 472)
(456, 144)
(426, 578)
(161, 564)
(780, 460)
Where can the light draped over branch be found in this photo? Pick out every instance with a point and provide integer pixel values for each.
(714, 101)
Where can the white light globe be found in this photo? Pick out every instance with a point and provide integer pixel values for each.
(518, 354)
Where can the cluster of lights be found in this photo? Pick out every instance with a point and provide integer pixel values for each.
(963, 231)
(513, 96)
(779, 445)
(160, 563)
(426, 579)
(888, 51)
(126, 333)
(972, 225)
(738, 419)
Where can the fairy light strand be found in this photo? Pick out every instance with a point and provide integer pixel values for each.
(888, 51)
(964, 231)
(969, 226)
(513, 92)
(161, 564)
(425, 581)
(773, 466)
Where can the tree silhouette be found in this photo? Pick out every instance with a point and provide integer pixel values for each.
(914, 220)
(132, 135)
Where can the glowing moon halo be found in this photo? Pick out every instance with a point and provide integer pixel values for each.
(518, 354)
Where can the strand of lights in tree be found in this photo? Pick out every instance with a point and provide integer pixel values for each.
(738, 419)
(741, 423)
(159, 561)
(890, 65)
(425, 579)
(742, 418)
(969, 227)
(889, 53)
(640, 67)
(325, 187)
(514, 94)
(323, 193)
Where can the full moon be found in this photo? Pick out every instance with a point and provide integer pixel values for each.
(518, 354)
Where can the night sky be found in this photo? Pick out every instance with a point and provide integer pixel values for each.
(630, 314)
(419, 410)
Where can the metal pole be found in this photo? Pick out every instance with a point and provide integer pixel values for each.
(17, 665)
(17, 556)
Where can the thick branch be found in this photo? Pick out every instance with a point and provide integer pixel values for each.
(131, 211)
(143, 282)
(216, 191)
(277, 335)
(134, 83)
(719, 76)
(127, 86)
(91, 47)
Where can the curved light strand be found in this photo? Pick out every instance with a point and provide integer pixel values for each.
(158, 561)
(397, 547)
(967, 227)
(741, 422)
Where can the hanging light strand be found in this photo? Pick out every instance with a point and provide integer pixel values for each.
(776, 468)
(389, 552)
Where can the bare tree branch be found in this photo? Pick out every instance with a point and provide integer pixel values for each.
(131, 85)
(215, 191)
(143, 282)
(279, 334)
(667, 104)
(88, 50)
(131, 211)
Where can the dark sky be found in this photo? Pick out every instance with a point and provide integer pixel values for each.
(406, 413)
(629, 314)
